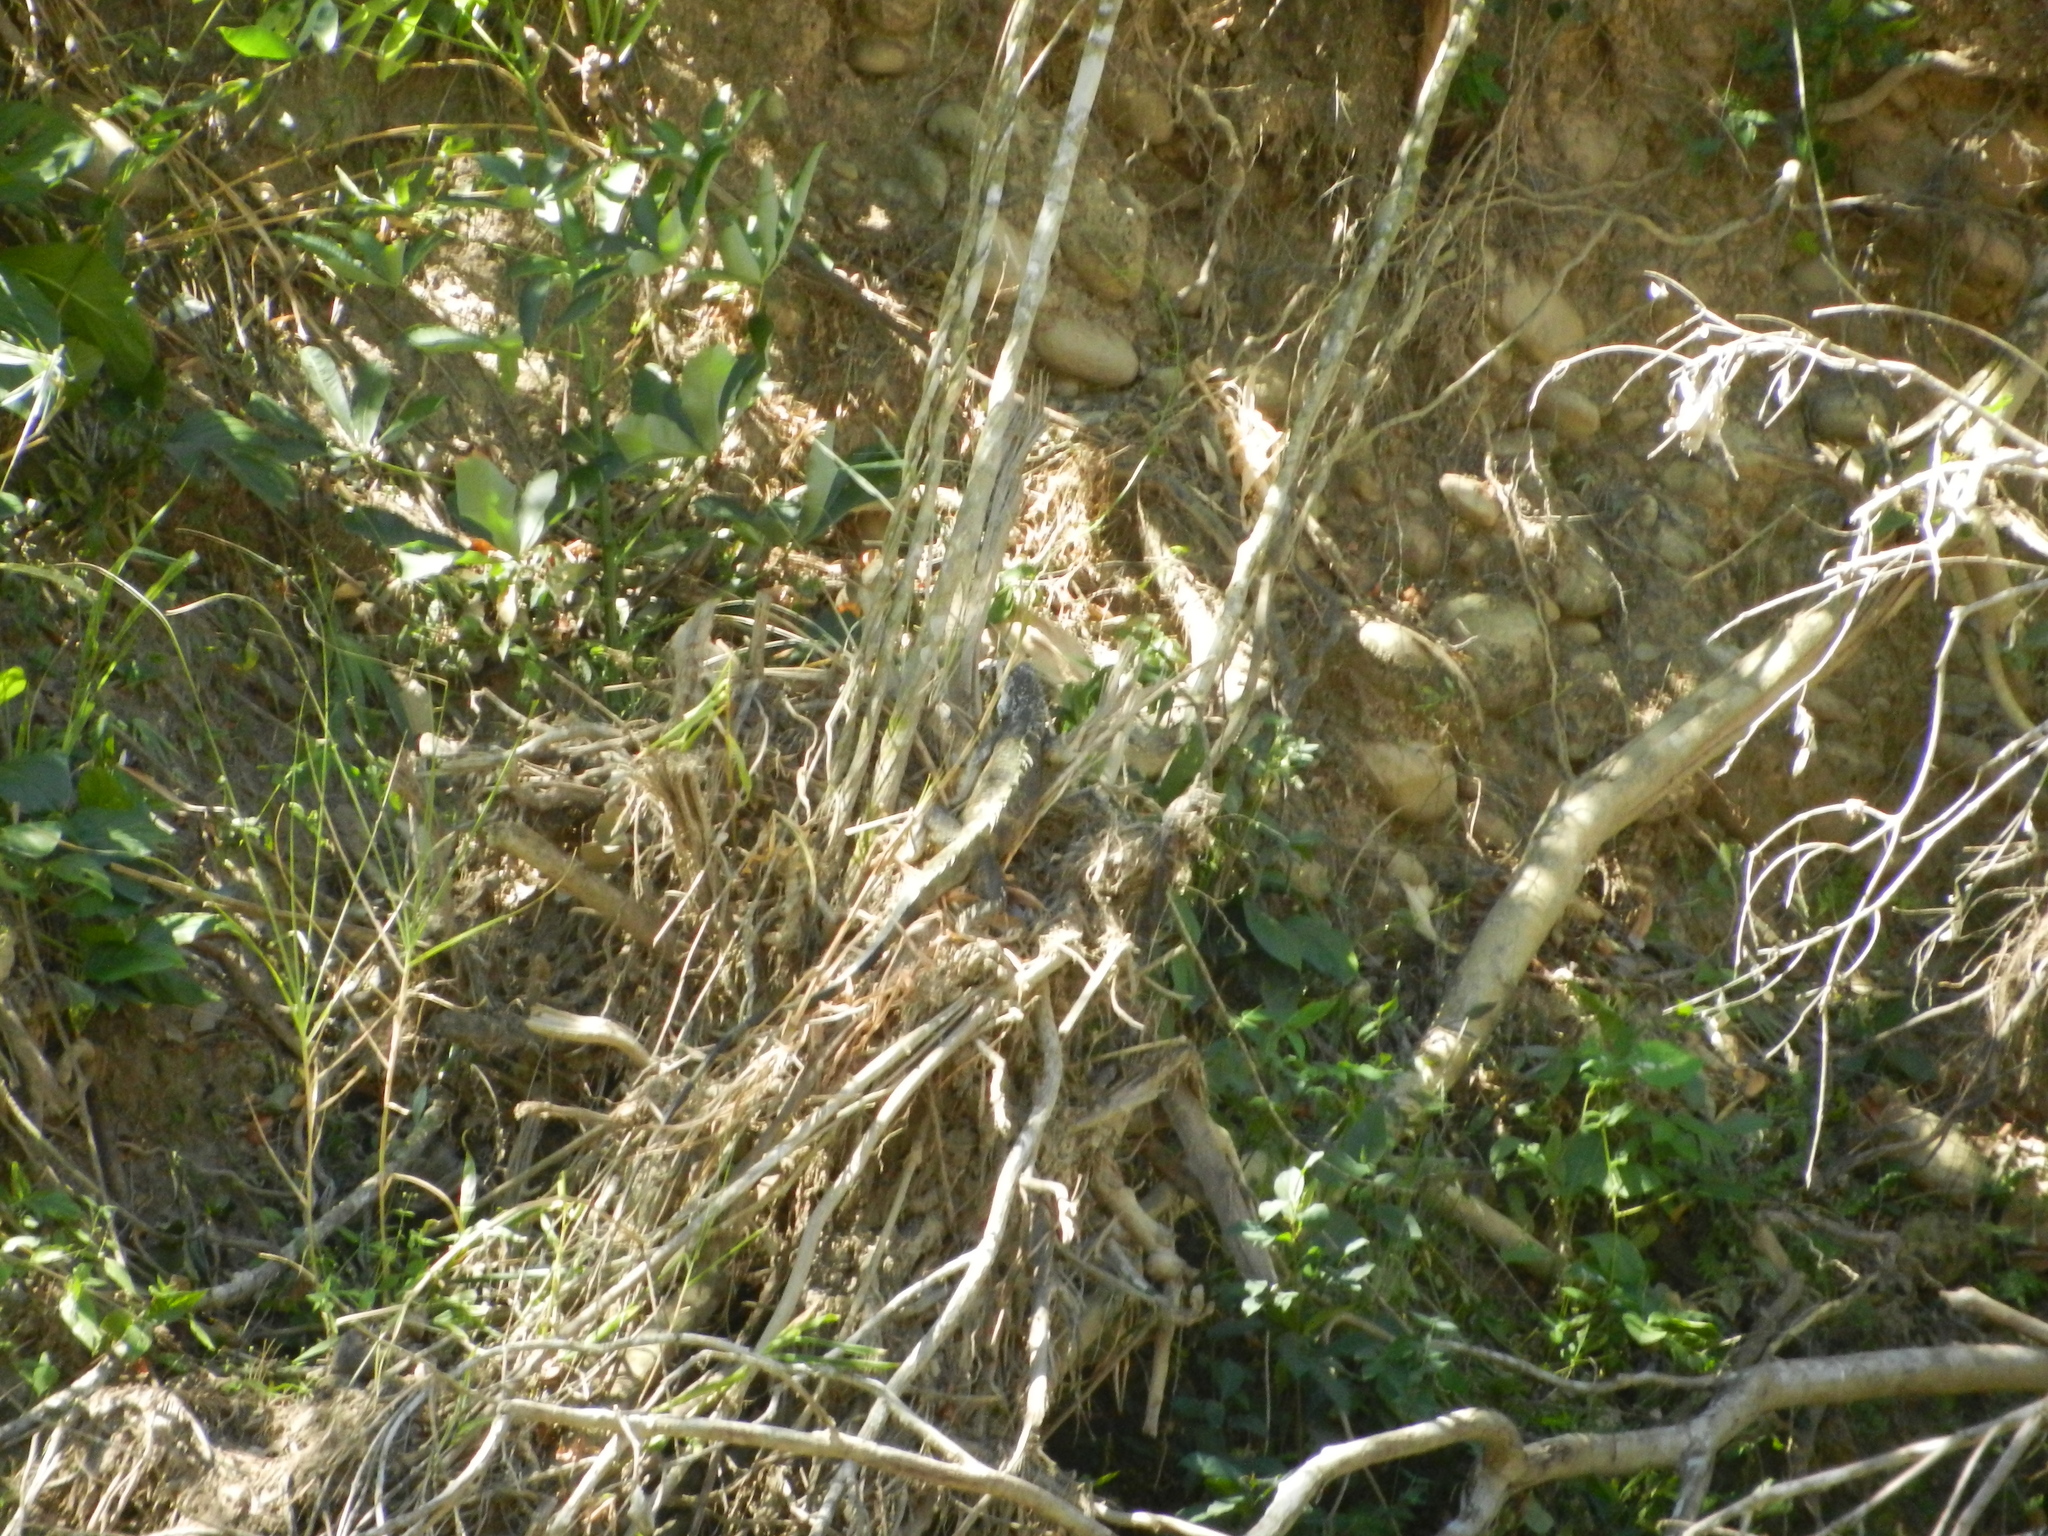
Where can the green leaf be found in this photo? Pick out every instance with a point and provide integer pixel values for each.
(1616, 1258)
(292, 437)
(128, 834)
(101, 788)
(77, 1314)
(1581, 1164)
(446, 338)
(1324, 947)
(704, 394)
(26, 315)
(411, 414)
(13, 684)
(325, 377)
(1662, 1064)
(1275, 937)
(32, 840)
(38, 782)
(184, 927)
(486, 502)
(530, 519)
(322, 27)
(81, 869)
(39, 147)
(258, 43)
(93, 301)
(346, 268)
(237, 447)
(388, 530)
(648, 435)
(139, 957)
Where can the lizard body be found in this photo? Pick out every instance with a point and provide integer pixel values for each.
(992, 823)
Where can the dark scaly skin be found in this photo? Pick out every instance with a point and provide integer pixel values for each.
(993, 821)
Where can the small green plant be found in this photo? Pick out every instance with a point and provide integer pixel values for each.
(63, 1275)
(355, 407)
(360, 259)
(72, 851)
(510, 518)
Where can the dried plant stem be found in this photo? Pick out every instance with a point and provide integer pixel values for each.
(1017, 1164)
(248, 1284)
(578, 880)
(1601, 803)
(1509, 1466)
(1273, 531)
(942, 656)
(821, 1445)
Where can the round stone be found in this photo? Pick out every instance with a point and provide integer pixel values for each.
(1084, 351)
(880, 58)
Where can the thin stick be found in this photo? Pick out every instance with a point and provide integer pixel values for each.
(822, 1445)
(582, 883)
(1272, 533)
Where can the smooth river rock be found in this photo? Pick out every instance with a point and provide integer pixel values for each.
(1413, 779)
(880, 58)
(1085, 351)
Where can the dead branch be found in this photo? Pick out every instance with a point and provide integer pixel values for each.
(246, 1285)
(820, 1445)
(578, 880)
(1212, 1161)
(1509, 1466)
(1601, 803)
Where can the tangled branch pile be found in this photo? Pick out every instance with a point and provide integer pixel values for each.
(863, 1224)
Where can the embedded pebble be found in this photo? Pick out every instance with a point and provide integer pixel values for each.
(1679, 550)
(1308, 878)
(1697, 482)
(1502, 640)
(1827, 705)
(902, 17)
(1899, 168)
(1356, 476)
(1579, 633)
(1995, 260)
(1473, 500)
(1271, 383)
(1556, 329)
(1574, 417)
(1493, 830)
(1104, 238)
(1521, 447)
(928, 170)
(1140, 113)
(1413, 779)
(1816, 282)
(1588, 143)
(1408, 869)
(1085, 351)
(1396, 646)
(1165, 382)
(2015, 162)
(1580, 581)
(1005, 273)
(1176, 272)
(1842, 408)
(880, 58)
(1955, 750)
(1502, 626)
(1421, 548)
(955, 125)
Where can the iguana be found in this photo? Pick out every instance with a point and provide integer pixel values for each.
(998, 813)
